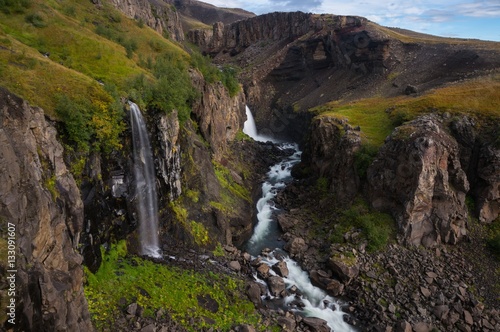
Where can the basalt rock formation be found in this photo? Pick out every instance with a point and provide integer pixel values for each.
(40, 197)
(417, 176)
(330, 154)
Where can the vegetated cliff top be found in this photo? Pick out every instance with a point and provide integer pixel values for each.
(297, 61)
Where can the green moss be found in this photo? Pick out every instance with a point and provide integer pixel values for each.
(51, 185)
(377, 228)
(227, 182)
(154, 286)
(219, 251)
(241, 136)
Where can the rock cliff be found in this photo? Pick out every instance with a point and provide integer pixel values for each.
(158, 15)
(330, 154)
(41, 198)
(417, 176)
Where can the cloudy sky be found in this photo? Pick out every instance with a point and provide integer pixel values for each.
(450, 18)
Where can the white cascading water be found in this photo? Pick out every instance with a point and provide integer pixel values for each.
(317, 303)
(145, 180)
(250, 129)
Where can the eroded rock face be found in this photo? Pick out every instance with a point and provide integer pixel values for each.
(418, 178)
(219, 115)
(40, 196)
(160, 16)
(487, 189)
(169, 161)
(330, 154)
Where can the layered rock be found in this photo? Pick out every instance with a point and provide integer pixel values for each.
(40, 197)
(219, 116)
(418, 178)
(169, 159)
(160, 16)
(330, 154)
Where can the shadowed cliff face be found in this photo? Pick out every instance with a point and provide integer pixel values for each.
(291, 62)
(39, 196)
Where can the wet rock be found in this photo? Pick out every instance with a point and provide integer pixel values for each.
(263, 270)
(276, 285)
(281, 269)
(316, 324)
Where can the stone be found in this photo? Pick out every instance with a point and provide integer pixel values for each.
(296, 246)
(335, 287)
(149, 328)
(254, 293)
(246, 328)
(235, 266)
(316, 324)
(132, 309)
(345, 269)
(403, 326)
(441, 311)
(421, 327)
(425, 291)
(276, 285)
(468, 318)
(263, 270)
(418, 178)
(286, 323)
(410, 89)
(281, 269)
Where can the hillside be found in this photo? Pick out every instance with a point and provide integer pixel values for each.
(391, 206)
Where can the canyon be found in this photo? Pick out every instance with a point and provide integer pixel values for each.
(399, 130)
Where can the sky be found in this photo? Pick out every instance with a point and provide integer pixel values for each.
(478, 19)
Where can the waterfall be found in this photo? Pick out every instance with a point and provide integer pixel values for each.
(250, 128)
(145, 185)
(316, 302)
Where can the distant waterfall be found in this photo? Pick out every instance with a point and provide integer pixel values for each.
(250, 128)
(145, 196)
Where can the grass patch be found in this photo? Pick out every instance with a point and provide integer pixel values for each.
(377, 228)
(377, 117)
(227, 182)
(154, 286)
(197, 230)
(241, 136)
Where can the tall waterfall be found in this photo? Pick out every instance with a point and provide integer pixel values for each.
(145, 195)
(250, 128)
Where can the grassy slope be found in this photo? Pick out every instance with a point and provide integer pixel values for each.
(78, 57)
(377, 117)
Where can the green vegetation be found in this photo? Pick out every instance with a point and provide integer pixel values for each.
(227, 182)
(241, 136)
(227, 75)
(171, 89)
(51, 185)
(377, 117)
(196, 229)
(363, 159)
(183, 293)
(377, 228)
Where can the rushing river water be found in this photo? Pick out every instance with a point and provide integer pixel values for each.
(314, 301)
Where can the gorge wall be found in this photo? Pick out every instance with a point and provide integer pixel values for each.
(40, 196)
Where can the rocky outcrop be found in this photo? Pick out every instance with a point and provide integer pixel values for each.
(418, 178)
(486, 188)
(169, 158)
(330, 154)
(219, 116)
(40, 197)
(158, 15)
